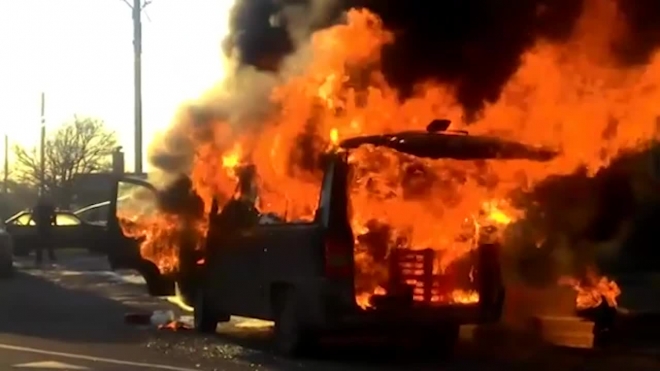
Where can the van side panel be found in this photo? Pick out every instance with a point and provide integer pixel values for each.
(293, 258)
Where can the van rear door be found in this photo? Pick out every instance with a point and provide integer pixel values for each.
(333, 215)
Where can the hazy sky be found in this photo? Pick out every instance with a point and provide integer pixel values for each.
(80, 53)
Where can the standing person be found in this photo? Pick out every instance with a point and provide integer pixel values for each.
(44, 217)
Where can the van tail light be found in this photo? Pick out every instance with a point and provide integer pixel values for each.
(338, 260)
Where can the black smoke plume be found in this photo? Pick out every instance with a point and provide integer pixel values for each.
(475, 45)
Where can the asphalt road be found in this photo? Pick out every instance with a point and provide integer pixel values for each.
(71, 316)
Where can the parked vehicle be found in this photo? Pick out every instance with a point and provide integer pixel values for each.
(95, 214)
(69, 232)
(6, 252)
(247, 269)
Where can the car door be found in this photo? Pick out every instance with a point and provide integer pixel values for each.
(133, 198)
(68, 231)
(22, 228)
(21, 225)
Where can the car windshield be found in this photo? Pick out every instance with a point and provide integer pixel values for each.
(24, 219)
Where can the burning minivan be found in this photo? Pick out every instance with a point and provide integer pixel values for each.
(345, 268)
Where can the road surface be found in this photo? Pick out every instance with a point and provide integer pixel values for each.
(71, 317)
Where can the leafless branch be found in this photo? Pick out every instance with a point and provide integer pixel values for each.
(146, 14)
(81, 146)
(129, 4)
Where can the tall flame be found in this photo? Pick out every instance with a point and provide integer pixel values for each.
(571, 96)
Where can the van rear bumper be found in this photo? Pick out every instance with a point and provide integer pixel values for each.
(340, 310)
(462, 314)
(411, 317)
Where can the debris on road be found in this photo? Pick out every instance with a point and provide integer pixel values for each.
(161, 319)
(175, 326)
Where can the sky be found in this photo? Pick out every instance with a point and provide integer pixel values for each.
(80, 53)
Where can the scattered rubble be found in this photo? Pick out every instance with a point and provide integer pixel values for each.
(161, 319)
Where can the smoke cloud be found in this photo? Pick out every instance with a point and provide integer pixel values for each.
(474, 45)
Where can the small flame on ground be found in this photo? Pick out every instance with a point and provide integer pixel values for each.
(592, 290)
(174, 326)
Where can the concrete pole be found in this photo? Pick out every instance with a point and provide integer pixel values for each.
(137, 66)
(5, 182)
(42, 147)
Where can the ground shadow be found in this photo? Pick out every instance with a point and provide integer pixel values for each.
(36, 307)
(254, 347)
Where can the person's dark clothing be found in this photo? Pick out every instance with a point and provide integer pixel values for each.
(44, 218)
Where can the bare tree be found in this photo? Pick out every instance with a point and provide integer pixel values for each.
(80, 146)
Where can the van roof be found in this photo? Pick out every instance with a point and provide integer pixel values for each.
(441, 143)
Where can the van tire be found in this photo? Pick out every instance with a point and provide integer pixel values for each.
(205, 320)
(292, 338)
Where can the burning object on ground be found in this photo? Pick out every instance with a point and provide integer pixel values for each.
(593, 291)
(597, 302)
(574, 313)
(161, 319)
(175, 325)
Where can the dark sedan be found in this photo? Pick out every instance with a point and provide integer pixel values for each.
(69, 232)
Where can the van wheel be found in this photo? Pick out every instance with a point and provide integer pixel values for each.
(204, 318)
(291, 336)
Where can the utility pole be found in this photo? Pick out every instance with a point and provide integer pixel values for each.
(42, 147)
(5, 182)
(137, 7)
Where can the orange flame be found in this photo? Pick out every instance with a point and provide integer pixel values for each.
(592, 290)
(571, 96)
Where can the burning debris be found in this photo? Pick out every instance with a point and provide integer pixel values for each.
(175, 326)
(593, 291)
(551, 79)
(161, 319)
